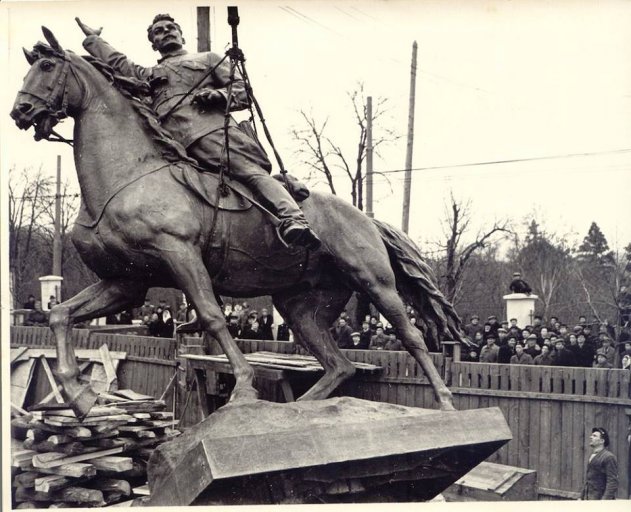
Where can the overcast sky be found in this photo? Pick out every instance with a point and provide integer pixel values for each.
(496, 81)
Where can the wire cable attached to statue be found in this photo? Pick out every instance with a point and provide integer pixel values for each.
(238, 59)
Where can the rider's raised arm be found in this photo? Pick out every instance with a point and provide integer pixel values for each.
(221, 79)
(99, 48)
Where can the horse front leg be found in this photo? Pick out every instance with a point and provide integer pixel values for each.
(190, 275)
(103, 298)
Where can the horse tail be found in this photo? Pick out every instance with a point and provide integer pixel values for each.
(415, 281)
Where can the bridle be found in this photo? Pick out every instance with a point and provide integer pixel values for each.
(57, 101)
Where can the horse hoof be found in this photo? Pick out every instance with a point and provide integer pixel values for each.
(243, 395)
(82, 400)
(447, 406)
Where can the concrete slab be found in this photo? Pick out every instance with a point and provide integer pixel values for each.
(335, 450)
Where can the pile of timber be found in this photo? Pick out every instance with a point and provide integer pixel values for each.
(63, 462)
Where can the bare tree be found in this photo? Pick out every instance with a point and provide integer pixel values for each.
(29, 194)
(545, 259)
(324, 157)
(456, 253)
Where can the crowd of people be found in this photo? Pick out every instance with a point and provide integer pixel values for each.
(551, 343)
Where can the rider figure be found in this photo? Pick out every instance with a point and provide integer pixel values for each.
(198, 121)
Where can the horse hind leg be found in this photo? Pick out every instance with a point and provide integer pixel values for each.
(370, 271)
(310, 315)
(103, 298)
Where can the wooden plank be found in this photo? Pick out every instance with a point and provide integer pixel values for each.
(578, 451)
(97, 411)
(51, 483)
(20, 456)
(17, 353)
(542, 396)
(132, 395)
(74, 470)
(51, 380)
(111, 484)
(556, 438)
(21, 377)
(25, 479)
(534, 427)
(81, 354)
(546, 424)
(114, 463)
(567, 430)
(69, 494)
(523, 433)
(50, 460)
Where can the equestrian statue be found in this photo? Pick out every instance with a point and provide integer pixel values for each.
(153, 216)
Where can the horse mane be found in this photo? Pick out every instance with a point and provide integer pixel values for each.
(137, 93)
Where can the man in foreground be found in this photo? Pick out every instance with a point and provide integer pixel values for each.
(601, 479)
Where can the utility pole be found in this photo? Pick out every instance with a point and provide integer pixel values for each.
(57, 237)
(203, 29)
(369, 149)
(407, 184)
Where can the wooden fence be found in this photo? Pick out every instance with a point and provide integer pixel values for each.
(550, 410)
(148, 368)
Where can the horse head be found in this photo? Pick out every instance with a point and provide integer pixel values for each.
(44, 98)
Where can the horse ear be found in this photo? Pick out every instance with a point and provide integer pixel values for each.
(52, 40)
(30, 56)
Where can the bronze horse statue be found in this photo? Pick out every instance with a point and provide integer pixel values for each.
(144, 224)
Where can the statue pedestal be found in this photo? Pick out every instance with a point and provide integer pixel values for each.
(521, 307)
(339, 450)
(50, 285)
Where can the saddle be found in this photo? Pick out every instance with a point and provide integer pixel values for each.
(234, 197)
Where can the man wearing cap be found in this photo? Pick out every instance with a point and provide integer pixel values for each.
(490, 351)
(342, 334)
(506, 351)
(532, 349)
(518, 285)
(197, 121)
(562, 356)
(472, 327)
(607, 349)
(601, 478)
(520, 356)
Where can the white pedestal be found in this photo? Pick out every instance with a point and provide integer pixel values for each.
(50, 285)
(521, 307)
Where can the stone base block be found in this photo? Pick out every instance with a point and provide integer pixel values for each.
(339, 450)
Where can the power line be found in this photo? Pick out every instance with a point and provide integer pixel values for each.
(509, 161)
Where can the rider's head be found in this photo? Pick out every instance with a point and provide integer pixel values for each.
(165, 34)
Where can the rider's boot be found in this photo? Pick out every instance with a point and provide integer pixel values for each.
(294, 228)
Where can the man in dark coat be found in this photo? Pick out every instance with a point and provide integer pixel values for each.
(562, 356)
(30, 303)
(197, 122)
(585, 352)
(601, 478)
(506, 351)
(266, 322)
(518, 285)
(472, 327)
(342, 334)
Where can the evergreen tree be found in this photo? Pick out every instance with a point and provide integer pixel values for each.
(594, 248)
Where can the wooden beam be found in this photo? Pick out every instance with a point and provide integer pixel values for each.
(50, 460)
(21, 377)
(51, 380)
(74, 470)
(113, 463)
